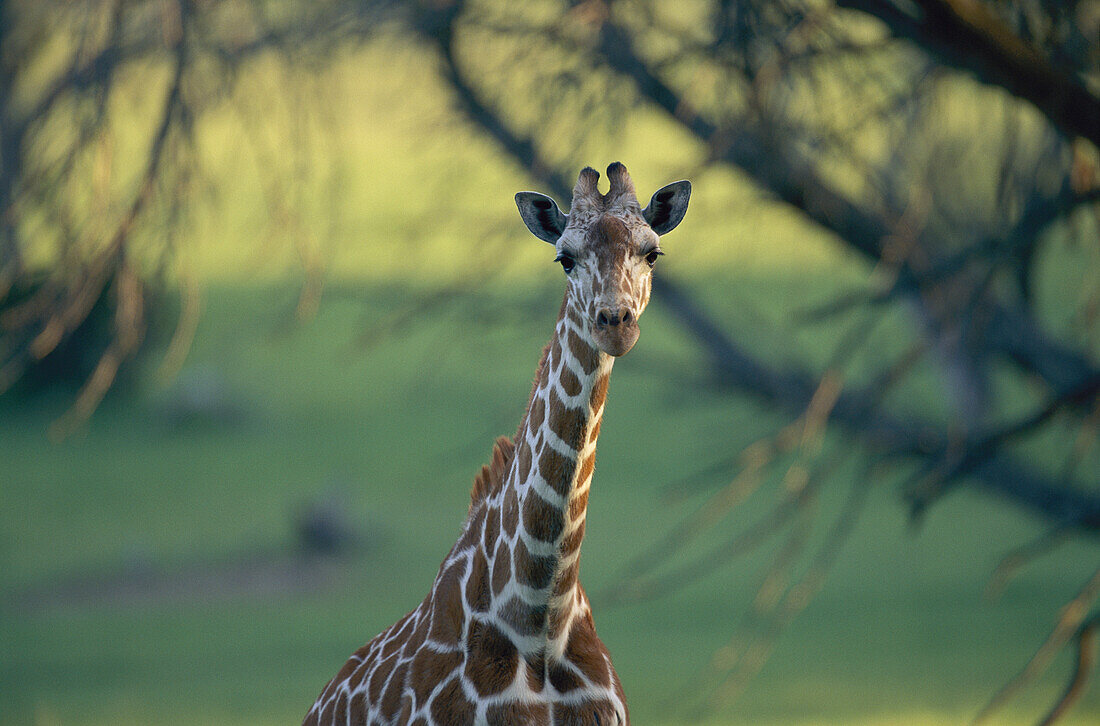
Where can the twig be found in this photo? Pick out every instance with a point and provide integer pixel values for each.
(129, 315)
(969, 36)
(1086, 661)
(798, 596)
(1068, 624)
(1021, 556)
(741, 542)
(806, 433)
(1013, 331)
(186, 326)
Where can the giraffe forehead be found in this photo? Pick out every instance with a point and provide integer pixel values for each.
(609, 236)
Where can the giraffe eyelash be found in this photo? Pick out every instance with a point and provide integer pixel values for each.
(567, 259)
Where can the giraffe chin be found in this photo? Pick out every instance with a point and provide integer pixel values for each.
(616, 341)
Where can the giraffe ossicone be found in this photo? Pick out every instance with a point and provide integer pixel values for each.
(506, 634)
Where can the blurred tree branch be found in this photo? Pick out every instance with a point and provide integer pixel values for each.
(756, 85)
(792, 391)
(982, 457)
(1082, 670)
(80, 318)
(756, 150)
(918, 267)
(1074, 623)
(859, 412)
(968, 35)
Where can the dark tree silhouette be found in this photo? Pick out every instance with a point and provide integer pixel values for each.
(949, 145)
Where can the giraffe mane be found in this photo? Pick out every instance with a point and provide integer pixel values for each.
(491, 477)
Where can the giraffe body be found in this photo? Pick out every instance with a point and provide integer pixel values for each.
(506, 635)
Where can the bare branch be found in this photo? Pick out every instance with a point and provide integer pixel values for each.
(967, 35)
(1020, 557)
(796, 597)
(755, 149)
(1082, 669)
(856, 411)
(1067, 627)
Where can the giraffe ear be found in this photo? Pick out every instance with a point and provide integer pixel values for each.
(541, 215)
(668, 206)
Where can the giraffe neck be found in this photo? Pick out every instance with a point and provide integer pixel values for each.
(543, 502)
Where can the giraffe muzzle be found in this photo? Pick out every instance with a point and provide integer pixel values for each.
(615, 330)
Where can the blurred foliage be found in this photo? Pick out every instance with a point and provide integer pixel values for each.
(935, 159)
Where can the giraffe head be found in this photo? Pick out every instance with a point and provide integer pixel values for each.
(607, 245)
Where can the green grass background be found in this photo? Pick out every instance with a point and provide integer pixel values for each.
(396, 404)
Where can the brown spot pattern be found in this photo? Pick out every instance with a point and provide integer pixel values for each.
(569, 381)
(491, 659)
(357, 709)
(541, 519)
(578, 505)
(472, 531)
(556, 470)
(391, 700)
(502, 567)
(536, 672)
(590, 713)
(573, 540)
(510, 516)
(585, 651)
(491, 530)
(452, 706)
(345, 672)
(477, 584)
(378, 680)
(563, 679)
(599, 391)
(537, 414)
(510, 714)
(447, 608)
(532, 570)
(430, 667)
(610, 232)
(583, 352)
(357, 677)
(555, 357)
(394, 643)
(419, 635)
(567, 423)
(523, 462)
(523, 618)
(556, 622)
(586, 468)
(567, 578)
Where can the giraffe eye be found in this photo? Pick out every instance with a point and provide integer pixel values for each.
(651, 258)
(567, 261)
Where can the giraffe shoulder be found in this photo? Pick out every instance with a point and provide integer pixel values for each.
(491, 476)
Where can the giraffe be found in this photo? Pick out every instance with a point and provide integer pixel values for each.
(506, 635)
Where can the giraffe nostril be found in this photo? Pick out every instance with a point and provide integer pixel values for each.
(603, 319)
(627, 317)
